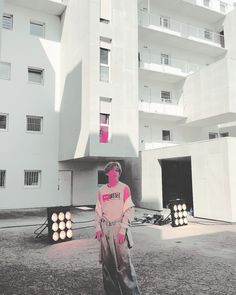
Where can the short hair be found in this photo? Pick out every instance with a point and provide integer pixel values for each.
(109, 166)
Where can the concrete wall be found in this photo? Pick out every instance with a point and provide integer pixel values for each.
(1, 12)
(74, 107)
(208, 94)
(82, 89)
(212, 177)
(85, 179)
(21, 150)
(123, 88)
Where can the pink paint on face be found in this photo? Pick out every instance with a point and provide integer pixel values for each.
(113, 176)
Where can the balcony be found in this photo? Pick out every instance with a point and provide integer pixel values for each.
(169, 108)
(178, 30)
(216, 5)
(166, 68)
(54, 7)
(210, 11)
(148, 145)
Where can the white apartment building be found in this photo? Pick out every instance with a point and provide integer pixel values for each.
(147, 82)
(69, 98)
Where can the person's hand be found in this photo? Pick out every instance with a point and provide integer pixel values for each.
(120, 238)
(99, 235)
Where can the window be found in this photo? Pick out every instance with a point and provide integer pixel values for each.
(104, 62)
(165, 59)
(7, 21)
(213, 135)
(223, 6)
(35, 75)
(165, 22)
(102, 178)
(105, 116)
(2, 178)
(207, 34)
(34, 123)
(37, 28)
(206, 3)
(166, 135)
(224, 134)
(3, 121)
(105, 11)
(32, 178)
(104, 128)
(166, 96)
(5, 70)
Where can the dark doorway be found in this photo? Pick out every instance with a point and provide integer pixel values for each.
(177, 181)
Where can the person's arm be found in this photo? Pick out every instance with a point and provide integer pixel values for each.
(98, 216)
(128, 215)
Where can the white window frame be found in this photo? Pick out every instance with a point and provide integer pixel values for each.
(32, 185)
(224, 134)
(207, 3)
(107, 66)
(3, 171)
(165, 59)
(215, 134)
(38, 23)
(105, 125)
(8, 77)
(223, 6)
(105, 11)
(170, 135)
(166, 99)
(10, 18)
(38, 71)
(207, 34)
(41, 124)
(165, 21)
(7, 120)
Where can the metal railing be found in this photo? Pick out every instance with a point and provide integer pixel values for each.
(168, 65)
(216, 5)
(170, 25)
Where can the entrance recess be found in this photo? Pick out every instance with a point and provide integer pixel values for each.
(177, 180)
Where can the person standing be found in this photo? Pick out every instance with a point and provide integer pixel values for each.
(114, 212)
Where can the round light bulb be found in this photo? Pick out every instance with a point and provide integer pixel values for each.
(179, 207)
(55, 226)
(176, 222)
(69, 234)
(184, 207)
(181, 222)
(62, 234)
(61, 216)
(68, 224)
(68, 215)
(55, 236)
(175, 208)
(62, 225)
(54, 217)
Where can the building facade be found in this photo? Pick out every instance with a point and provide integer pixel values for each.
(143, 82)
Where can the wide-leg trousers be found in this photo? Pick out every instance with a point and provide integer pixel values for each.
(119, 275)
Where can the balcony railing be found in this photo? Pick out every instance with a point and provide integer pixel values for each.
(216, 5)
(152, 94)
(174, 27)
(170, 65)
